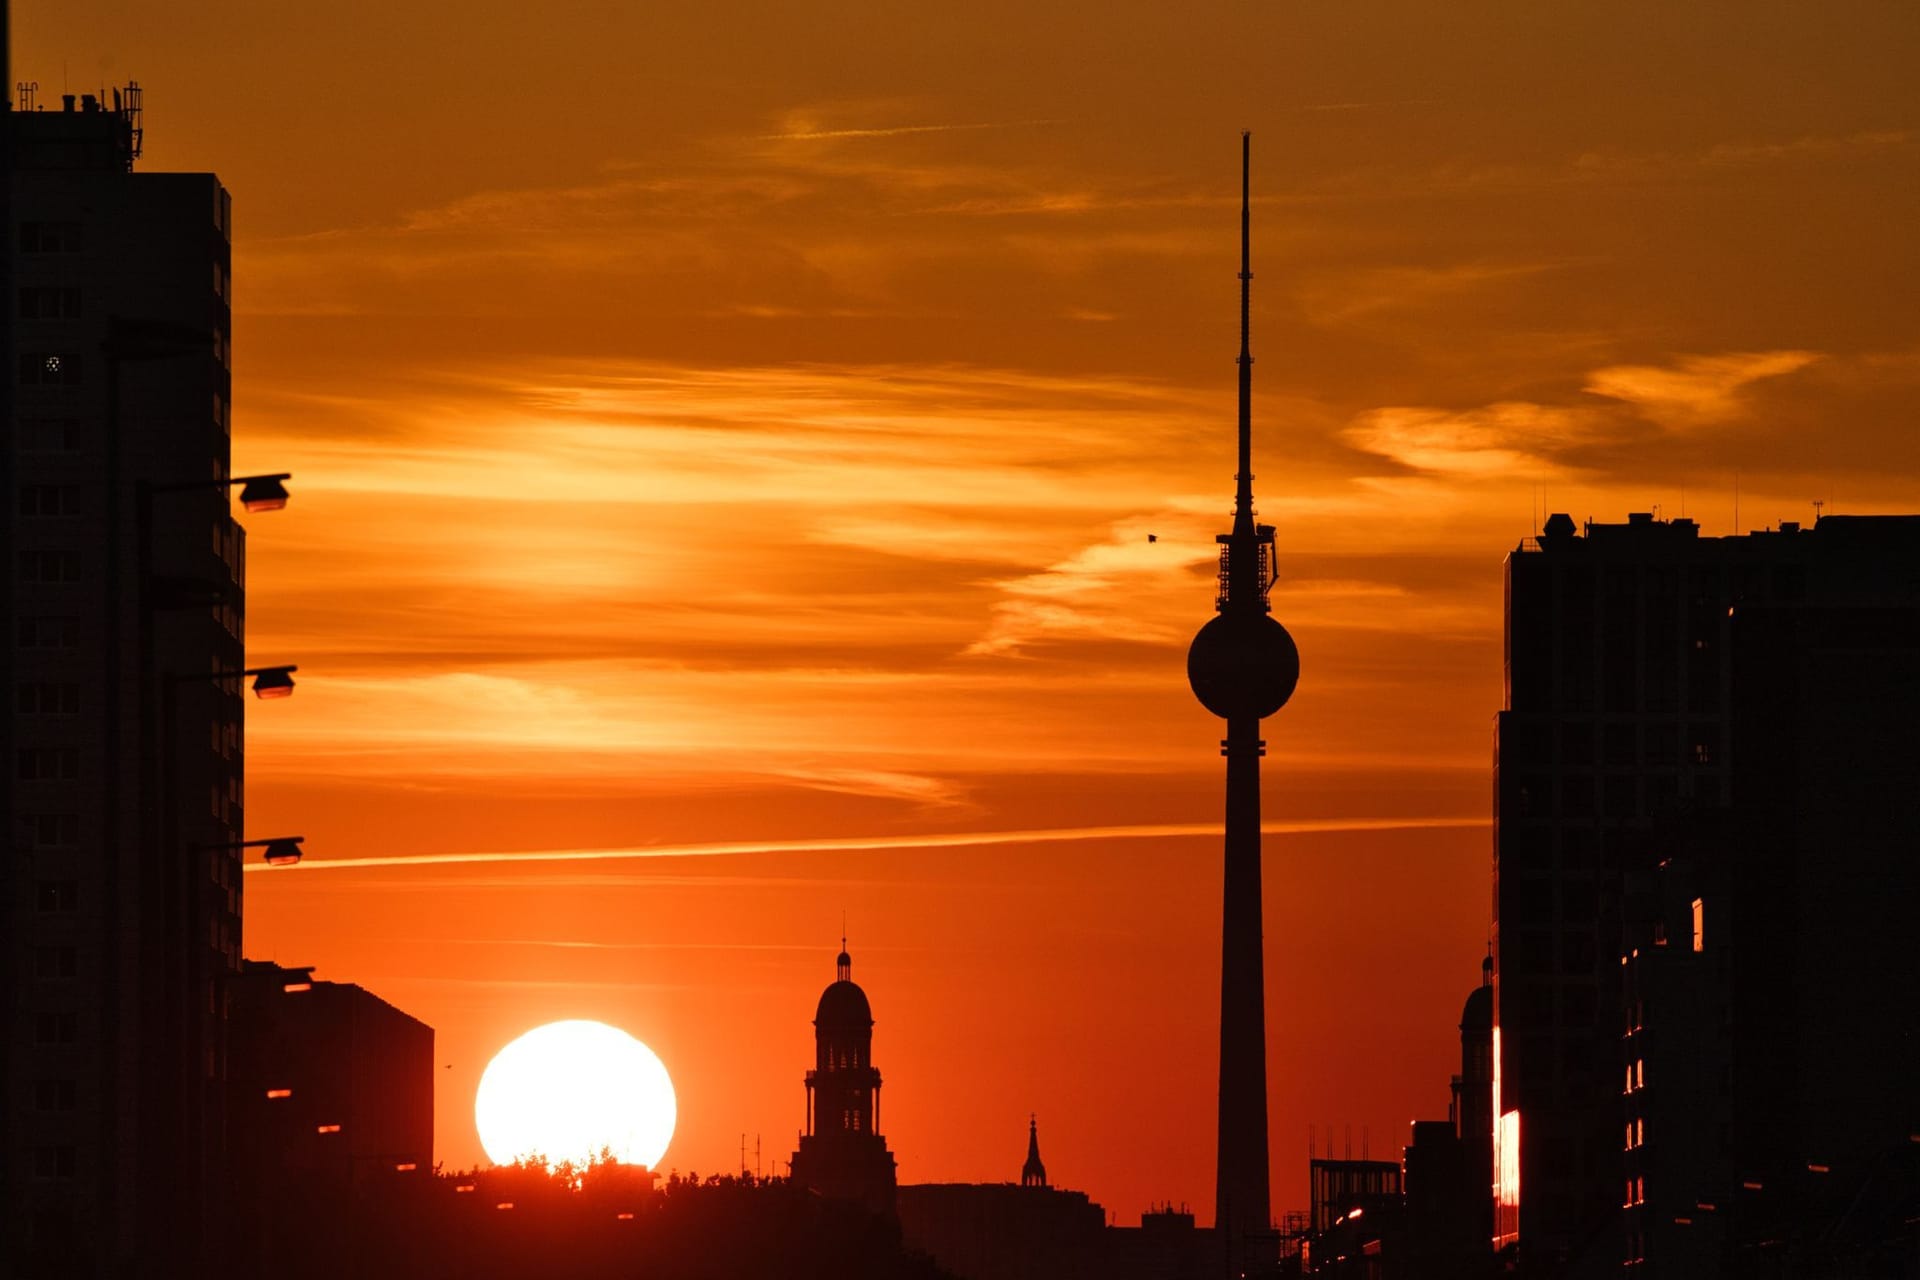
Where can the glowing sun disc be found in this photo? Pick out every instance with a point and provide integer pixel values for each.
(567, 1090)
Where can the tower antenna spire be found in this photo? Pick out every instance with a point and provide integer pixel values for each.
(1243, 495)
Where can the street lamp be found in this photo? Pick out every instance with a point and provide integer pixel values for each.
(263, 493)
(281, 851)
(268, 682)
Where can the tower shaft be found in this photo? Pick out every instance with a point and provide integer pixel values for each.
(1241, 1197)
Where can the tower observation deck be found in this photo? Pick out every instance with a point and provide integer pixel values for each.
(1243, 667)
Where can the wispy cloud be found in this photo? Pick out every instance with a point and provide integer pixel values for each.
(1698, 389)
(1508, 439)
(1096, 591)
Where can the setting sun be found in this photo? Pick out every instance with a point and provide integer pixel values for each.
(569, 1090)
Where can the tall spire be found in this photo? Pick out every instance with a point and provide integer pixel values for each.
(1033, 1173)
(1243, 495)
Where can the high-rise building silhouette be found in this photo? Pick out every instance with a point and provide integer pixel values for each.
(331, 1111)
(842, 1154)
(1770, 1064)
(122, 791)
(1243, 667)
(1622, 703)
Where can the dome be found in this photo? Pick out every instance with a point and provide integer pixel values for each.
(843, 1004)
(1477, 1014)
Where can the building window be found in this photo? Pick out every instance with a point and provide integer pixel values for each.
(50, 237)
(1619, 797)
(1576, 796)
(45, 501)
(1578, 1004)
(56, 896)
(48, 764)
(1699, 924)
(55, 962)
(49, 565)
(49, 369)
(53, 1163)
(1659, 745)
(1701, 740)
(53, 830)
(49, 633)
(41, 302)
(1618, 744)
(48, 698)
(1579, 952)
(48, 435)
(55, 1027)
(54, 1095)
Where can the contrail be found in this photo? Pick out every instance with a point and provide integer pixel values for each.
(843, 844)
(900, 129)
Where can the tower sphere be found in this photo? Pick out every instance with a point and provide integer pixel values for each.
(1243, 664)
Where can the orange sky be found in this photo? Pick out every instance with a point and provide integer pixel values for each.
(742, 424)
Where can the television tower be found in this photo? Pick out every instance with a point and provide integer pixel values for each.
(1243, 667)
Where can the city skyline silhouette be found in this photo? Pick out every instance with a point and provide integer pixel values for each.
(750, 475)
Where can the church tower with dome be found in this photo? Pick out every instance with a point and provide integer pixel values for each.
(842, 1155)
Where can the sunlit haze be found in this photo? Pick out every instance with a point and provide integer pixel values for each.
(780, 447)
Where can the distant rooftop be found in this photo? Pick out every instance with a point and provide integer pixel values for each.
(89, 130)
(1644, 530)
